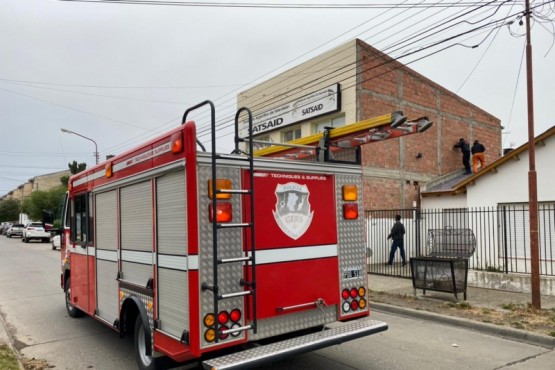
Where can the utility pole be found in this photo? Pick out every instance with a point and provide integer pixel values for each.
(84, 137)
(532, 176)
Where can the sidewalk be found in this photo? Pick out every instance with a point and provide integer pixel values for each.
(480, 297)
(476, 297)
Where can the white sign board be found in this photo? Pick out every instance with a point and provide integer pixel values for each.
(309, 106)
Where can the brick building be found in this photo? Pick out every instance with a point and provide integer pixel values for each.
(368, 83)
(41, 182)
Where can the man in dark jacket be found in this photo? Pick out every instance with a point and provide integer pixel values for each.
(398, 235)
(478, 155)
(465, 150)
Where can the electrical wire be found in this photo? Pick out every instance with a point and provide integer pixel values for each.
(515, 90)
(263, 5)
(402, 5)
(411, 53)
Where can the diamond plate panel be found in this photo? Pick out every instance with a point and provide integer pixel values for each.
(294, 321)
(145, 299)
(351, 243)
(260, 354)
(230, 245)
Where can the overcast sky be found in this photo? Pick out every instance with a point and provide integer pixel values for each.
(122, 73)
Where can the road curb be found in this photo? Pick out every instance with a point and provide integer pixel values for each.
(487, 328)
(6, 339)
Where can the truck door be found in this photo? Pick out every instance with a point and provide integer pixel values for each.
(296, 242)
(81, 239)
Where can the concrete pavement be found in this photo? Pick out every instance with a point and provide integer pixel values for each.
(476, 297)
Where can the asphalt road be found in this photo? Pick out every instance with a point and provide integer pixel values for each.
(32, 306)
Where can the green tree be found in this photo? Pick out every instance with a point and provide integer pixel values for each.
(42, 200)
(10, 210)
(75, 167)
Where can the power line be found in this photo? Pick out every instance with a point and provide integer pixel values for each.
(330, 6)
(118, 86)
(404, 5)
(331, 76)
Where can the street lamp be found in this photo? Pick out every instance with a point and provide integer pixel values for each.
(84, 137)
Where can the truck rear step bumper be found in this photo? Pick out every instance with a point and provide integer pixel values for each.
(290, 347)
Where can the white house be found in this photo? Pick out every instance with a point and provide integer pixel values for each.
(494, 204)
(504, 181)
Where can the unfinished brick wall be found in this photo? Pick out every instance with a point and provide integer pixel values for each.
(394, 170)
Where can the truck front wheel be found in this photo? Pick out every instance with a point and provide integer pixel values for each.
(144, 361)
(72, 311)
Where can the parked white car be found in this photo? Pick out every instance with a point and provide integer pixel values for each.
(15, 230)
(55, 242)
(34, 230)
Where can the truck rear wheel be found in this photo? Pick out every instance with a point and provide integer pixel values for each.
(144, 361)
(72, 311)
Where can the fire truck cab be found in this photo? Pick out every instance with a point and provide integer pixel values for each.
(200, 256)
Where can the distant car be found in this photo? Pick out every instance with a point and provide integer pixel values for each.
(4, 227)
(55, 242)
(34, 230)
(15, 230)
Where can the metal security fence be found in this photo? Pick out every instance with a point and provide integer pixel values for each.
(502, 236)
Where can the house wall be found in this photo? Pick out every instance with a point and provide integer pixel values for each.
(445, 201)
(373, 84)
(385, 85)
(510, 183)
(507, 183)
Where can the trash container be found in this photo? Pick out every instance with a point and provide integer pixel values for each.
(445, 267)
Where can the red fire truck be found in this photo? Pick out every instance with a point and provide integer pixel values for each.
(202, 256)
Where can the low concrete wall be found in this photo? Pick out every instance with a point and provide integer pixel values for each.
(510, 282)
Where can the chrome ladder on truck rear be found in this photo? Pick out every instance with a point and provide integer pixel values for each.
(249, 287)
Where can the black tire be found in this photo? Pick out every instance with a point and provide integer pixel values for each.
(145, 362)
(53, 247)
(45, 240)
(72, 311)
(9, 236)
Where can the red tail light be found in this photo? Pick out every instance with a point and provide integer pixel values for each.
(354, 292)
(354, 305)
(345, 294)
(222, 335)
(224, 212)
(235, 315)
(350, 211)
(223, 317)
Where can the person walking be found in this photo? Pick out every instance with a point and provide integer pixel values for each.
(478, 155)
(465, 150)
(397, 234)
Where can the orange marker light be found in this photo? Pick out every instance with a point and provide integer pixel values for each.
(221, 184)
(210, 335)
(177, 142)
(108, 171)
(350, 211)
(350, 192)
(209, 320)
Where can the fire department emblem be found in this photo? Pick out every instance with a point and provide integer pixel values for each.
(293, 214)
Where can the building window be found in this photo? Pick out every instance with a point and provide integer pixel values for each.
(292, 134)
(258, 146)
(333, 122)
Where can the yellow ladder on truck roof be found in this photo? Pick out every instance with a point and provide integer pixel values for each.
(379, 128)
